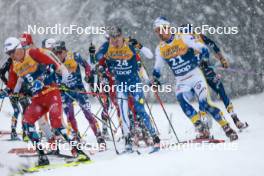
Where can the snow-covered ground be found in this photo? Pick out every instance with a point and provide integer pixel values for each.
(244, 157)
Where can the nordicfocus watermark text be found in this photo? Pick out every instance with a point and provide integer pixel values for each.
(102, 30)
(66, 30)
(204, 146)
(204, 29)
(125, 87)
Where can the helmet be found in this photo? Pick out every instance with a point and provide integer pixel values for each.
(11, 44)
(48, 43)
(59, 46)
(114, 31)
(161, 21)
(26, 39)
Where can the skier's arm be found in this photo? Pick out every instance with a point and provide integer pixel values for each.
(142, 71)
(83, 63)
(18, 85)
(189, 40)
(47, 59)
(5, 69)
(159, 63)
(210, 43)
(12, 78)
(146, 52)
(102, 51)
(218, 54)
(44, 58)
(198, 46)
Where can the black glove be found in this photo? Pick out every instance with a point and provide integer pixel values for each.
(135, 43)
(155, 83)
(90, 79)
(64, 88)
(92, 49)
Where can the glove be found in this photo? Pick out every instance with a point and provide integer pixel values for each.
(104, 80)
(135, 43)
(4, 93)
(15, 97)
(155, 83)
(64, 88)
(204, 53)
(139, 63)
(224, 62)
(92, 49)
(89, 79)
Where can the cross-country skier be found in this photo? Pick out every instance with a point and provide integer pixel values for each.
(31, 65)
(214, 80)
(15, 99)
(71, 90)
(122, 63)
(103, 78)
(178, 51)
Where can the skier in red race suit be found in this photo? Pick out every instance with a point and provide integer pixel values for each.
(37, 70)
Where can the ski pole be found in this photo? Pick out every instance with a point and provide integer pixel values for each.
(89, 124)
(110, 125)
(161, 104)
(151, 115)
(2, 84)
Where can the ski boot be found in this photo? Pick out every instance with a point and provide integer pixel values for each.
(156, 145)
(25, 137)
(156, 141)
(230, 133)
(42, 159)
(79, 154)
(53, 146)
(105, 133)
(128, 144)
(101, 142)
(238, 123)
(202, 130)
(13, 135)
(76, 136)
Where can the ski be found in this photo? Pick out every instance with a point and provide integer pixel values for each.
(59, 155)
(26, 170)
(129, 152)
(22, 150)
(209, 140)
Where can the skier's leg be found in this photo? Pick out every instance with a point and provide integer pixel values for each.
(69, 111)
(202, 92)
(139, 101)
(55, 114)
(14, 119)
(84, 103)
(104, 115)
(45, 127)
(215, 83)
(123, 106)
(24, 102)
(33, 112)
